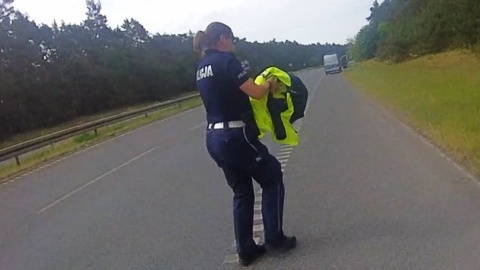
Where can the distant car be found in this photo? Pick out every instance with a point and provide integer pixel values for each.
(331, 64)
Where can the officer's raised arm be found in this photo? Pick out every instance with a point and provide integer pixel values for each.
(258, 91)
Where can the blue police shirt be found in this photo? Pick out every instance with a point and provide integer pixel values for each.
(219, 76)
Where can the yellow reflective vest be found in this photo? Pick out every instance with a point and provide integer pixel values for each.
(273, 112)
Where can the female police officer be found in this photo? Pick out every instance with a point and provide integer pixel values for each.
(233, 144)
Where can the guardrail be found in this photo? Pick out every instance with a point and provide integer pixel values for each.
(22, 148)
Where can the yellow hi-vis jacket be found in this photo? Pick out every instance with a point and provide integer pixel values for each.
(272, 113)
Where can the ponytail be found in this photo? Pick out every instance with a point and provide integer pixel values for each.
(208, 39)
(199, 41)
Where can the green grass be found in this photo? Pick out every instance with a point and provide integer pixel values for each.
(85, 137)
(438, 95)
(38, 158)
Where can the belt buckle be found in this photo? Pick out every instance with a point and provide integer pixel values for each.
(218, 125)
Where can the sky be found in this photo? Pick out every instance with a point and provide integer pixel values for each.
(304, 21)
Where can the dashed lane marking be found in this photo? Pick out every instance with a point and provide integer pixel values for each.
(283, 155)
(258, 229)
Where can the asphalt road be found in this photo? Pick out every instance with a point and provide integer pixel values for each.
(363, 192)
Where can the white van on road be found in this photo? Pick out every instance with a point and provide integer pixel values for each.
(331, 64)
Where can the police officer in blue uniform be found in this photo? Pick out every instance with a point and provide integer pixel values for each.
(233, 143)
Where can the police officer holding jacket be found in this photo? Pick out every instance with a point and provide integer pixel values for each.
(232, 141)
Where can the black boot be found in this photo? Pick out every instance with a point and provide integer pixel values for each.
(288, 243)
(247, 258)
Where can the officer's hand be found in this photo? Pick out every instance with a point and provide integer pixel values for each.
(274, 87)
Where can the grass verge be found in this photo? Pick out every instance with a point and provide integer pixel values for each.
(438, 95)
(37, 158)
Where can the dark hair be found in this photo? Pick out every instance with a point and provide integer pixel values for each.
(208, 39)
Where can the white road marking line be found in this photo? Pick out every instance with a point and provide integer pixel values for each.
(257, 217)
(433, 147)
(93, 181)
(231, 258)
(198, 126)
(313, 95)
(257, 207)
(258, 228)
(117, 137)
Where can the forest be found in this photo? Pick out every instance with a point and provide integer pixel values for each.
(50, 74)
(397, 30)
